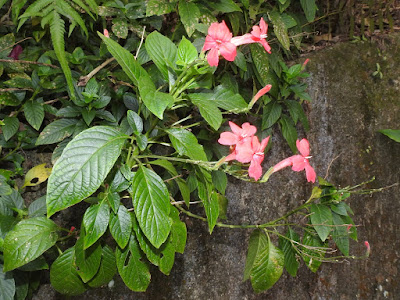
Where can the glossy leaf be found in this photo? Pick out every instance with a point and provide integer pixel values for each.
(208, 110)
(288, 247)
(321, 218)
(220, 181)
(10, 127)
(27, 241)
(56, 131)
(313, 252)
(7, 285)
(64, 277)
(150, 199)
(393, 134)
(187, 52)
(95, 220)
(135, 121)
(83, 166)
(121, 226)
(271, 114)
(34, 113)
(229, 100)
(134, 272)
(87, 260)
(186, 143)
(211, 206)
(257, 243)
(107, 268)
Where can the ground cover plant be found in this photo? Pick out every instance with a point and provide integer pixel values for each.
(147, 108)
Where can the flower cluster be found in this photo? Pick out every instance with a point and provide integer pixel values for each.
(245, 147)
(219, 41)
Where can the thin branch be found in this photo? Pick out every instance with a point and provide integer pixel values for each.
(141, 42)
(329, 166)
(83, 80)
(17, 61)
(15, 89)
(11, 46)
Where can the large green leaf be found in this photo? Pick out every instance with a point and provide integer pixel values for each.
(10, 127)
(95, 220)
(27, 241)
(121, 226)
(271, 114)
(88, 261)
(289, 250)
(186, 143)
(7, 285)
(321, 218)
(107, 269)
(189, 13)
(227, 99)
(162, 52)
(280, 29)
(150, 199)
(289, 132)
(208, 110)
(340, 234)
(134, 272)
(187, 52)
(257, 243)
(211, 205)
(83, 166)
(34, 113)
(64, 277)
(56, 131)
(309, 9)
(155, 101)
(393, 134)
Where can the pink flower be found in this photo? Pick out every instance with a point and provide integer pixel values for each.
(218, 41)
(257, 35)
(299, 162)
(15, 52)
(240, 138)
(306, 62)
(106, 34)
(255, 169)
(366, 243)
(259, 94)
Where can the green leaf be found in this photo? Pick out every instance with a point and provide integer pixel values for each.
(187, 52)
(28, 240)
(95, 220)
(120, 28)
(135, 121)
(288, 247)
(189, 14)
(225, 6)
(289, 132)
(280, 29)
(34, 113)
(13, 200)
(314, 251)
(186, 143)
(178, 231)
(7, 285)
(64, 277)
(257, 243)
(150, 199)
(56, 131)
(220, 180)
(297, 113)
(83, 166)
(261, 61)
(393, 134)
(208, 110)
(35, 265)
(211, 206)
(87, 261)
(6, 43)
(309, 9)
(158, 8)
(162, 52)
(10, 127)
(107, 269)
(340, 234)
(134, 272)
(121, 226)
(271, 114)
(88, 115)
(321, 216)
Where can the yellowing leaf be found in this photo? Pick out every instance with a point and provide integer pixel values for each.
(37, 175)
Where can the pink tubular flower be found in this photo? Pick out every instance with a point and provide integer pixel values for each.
(366, 243)
(240, 138)
(255, 170)
(106, 34)
(257, 35)
(299, 162)
(218, 41)
(259, 94)
(15, 52)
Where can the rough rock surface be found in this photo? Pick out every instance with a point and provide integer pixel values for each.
(349, 106)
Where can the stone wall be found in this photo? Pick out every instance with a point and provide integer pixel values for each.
(349, 106)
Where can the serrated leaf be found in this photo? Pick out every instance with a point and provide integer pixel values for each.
(271, 114)
(95, 220)
(187, 52)
(83, 166)
(34, 113)
(28, 240)
(36, 175)
(87, 260)
(121, 226)
(309, 9)
(340, 234)
(88, 116)
(289, 251)
(189, 14)
(134, 272)
(208, 110)
(393, 134)
(280, 29)
(162, 52)
(56, 131)
(186, 143)
(229, 100)
(220, 180)
(257, 243)
(289, 132)
(64, 277)
(321, 218)
(107, 268)
(150, 199)
(7, 285)
(10, 127)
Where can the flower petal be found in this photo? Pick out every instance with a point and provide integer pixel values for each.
(255, 170)
(231, 156)
(262, 92)
(263, 26)
(209, 43)
(248, 130)
(228, 138)
(298, 163)
(310, 172)
(243, 39)
(266, 46)
(236, 129)
(228, 51)
(244, 151)
(283, 164)
(256, 33)
(304, 147)
(213, 58)
(222, 33)
(264, 144)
